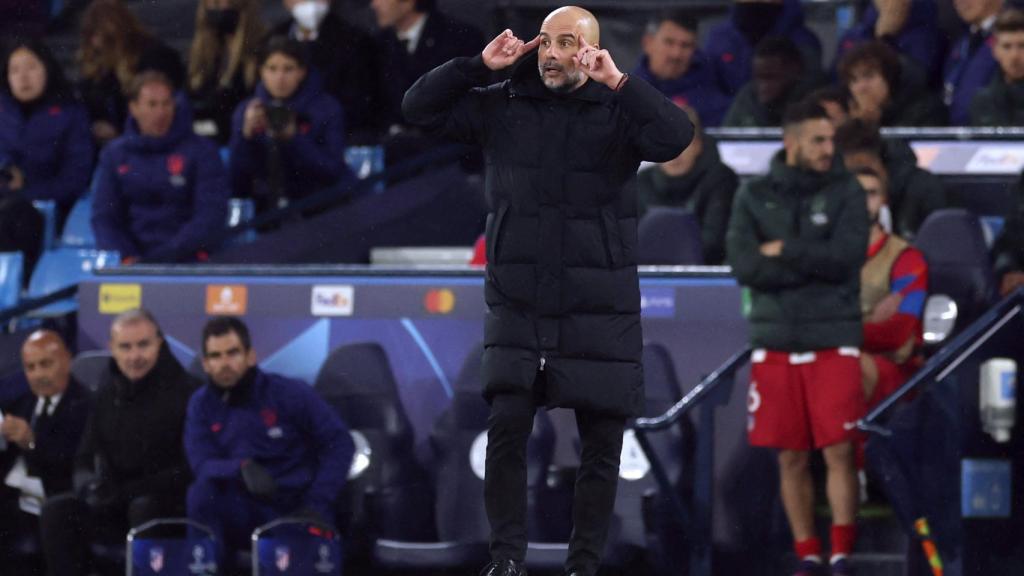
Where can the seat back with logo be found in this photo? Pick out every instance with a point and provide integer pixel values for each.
(63, 267)
(386, 495)
(296, 546)
(77, 231)
(958, 262)
(636, 481)
(669, 236)
(459, 440)
(171, 546)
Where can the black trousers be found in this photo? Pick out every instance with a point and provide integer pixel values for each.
(69, 527)
(509, 427)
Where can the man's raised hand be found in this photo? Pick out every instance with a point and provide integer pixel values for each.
(506, 49)
(597, 64)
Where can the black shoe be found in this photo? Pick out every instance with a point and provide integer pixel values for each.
(504, 568)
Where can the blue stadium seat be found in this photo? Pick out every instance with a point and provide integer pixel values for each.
(669, 236)
(171, 546)
(241, 210)
(460, 443)
(296, 546)
(48, 208)
(365, 161)
(385, 493)
(78, 227)
(64, 267)
(953, 243)
(11, 270)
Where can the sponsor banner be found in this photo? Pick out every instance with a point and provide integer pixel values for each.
(226, 300)
(332, 300)
(996, 160)
(440, 301)
(118, 298)
(658, 302)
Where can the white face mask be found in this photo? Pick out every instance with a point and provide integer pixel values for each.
(310, 13)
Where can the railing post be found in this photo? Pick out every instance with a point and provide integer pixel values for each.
(702, 551)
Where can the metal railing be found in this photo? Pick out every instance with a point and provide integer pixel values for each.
(949, 357)
(716, 386)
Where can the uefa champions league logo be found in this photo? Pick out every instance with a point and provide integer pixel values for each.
(199, 565)
(324, 564)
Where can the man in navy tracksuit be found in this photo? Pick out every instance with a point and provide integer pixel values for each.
(161, 191)
(970, 65)
(261, 446)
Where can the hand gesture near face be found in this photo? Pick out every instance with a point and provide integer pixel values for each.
(506, 50)
(597, 64)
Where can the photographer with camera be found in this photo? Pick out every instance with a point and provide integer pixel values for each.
(288, 141)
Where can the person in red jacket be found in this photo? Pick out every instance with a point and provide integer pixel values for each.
(893, 289)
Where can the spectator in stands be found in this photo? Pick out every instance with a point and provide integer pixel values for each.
(673, 63)
(912, 192)
(131, 466)
(261, 446)
(42, 429)
(778, 81)
(415, 37)
(730, 45)
(893, 289)
(346, 59)
(835, 101)
(970, 65)
(909, 26)
(223, 67)
(1008, 251)
(797, 239)
(887, 91)
(113, 49)
(45, 147)
(289, 140)
(698, 181)
(1001, 103)
(161, 191)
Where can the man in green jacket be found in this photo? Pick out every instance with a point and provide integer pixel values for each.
(1001, 103)
(796, 240)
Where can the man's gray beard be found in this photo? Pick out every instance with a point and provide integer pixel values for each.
(571, 81)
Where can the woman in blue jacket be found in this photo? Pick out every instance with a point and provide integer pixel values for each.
(45, 147)
(161, 194)
(288, 141)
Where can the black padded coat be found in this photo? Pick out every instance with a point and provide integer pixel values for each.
(561, 288)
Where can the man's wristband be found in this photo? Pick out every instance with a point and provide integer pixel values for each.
(621, 83)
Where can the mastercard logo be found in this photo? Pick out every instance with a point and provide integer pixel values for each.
(439, 301)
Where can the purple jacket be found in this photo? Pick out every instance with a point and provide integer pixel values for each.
(732, 54)
(697, 88)
(965, 74)
(278, 423)
(160, 199)
(52, 147)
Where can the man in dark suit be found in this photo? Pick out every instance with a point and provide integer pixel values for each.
(415, 38)
(346, 59)
(41, 429)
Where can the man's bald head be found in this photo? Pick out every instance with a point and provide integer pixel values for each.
(559, 42)
(580, 20)
(47, 363)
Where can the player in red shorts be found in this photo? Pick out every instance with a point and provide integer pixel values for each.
(796, 241)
